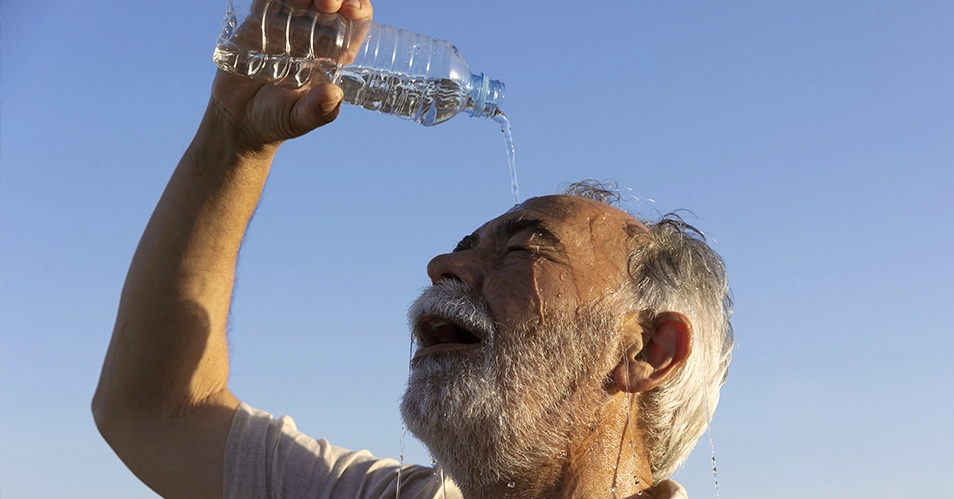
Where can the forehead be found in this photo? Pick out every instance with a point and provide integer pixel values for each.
(592, 241)
(567, 214)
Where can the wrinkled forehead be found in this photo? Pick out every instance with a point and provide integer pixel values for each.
(574, 212)
(590, 230)
(593, 240)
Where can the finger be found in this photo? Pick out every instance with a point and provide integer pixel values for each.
(362, 12)
(318, 107)
(328, 5)
(356, 9)
(359, 11)
(352, 9)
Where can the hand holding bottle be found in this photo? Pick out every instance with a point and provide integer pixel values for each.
(262, 114)
(380, 68)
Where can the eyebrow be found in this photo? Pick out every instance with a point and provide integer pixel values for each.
(511, 228)
(468, 242)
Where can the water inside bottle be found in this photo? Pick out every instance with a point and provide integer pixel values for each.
(423, 101)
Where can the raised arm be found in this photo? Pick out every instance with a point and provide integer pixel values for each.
(163, 401)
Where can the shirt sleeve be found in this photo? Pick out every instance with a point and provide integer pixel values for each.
(268, 458)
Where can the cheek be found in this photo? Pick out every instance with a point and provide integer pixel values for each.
(595, 280)
(531, 293)
(512, 296)
(556, 289)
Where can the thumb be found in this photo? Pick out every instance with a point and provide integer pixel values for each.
(318, 107)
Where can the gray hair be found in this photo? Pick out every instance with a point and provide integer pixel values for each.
(674, 270)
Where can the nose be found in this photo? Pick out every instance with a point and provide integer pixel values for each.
(462, 266)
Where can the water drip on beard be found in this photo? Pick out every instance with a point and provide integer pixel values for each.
(622, 437)
(624, 441)
(410, 357)
(715, 469)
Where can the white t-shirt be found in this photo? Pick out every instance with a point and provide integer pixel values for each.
(269, 458)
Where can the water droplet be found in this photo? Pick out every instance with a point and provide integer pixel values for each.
(443, 485)
(410, 358)
(715, 471)
(511, 485)
(613, 489)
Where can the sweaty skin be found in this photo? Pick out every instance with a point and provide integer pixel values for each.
(536, 294)
(590, 259)
(552, 255)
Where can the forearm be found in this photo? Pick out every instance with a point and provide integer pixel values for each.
(168, 352)
(163, 402)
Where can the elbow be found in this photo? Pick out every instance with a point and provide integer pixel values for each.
(105, 415)
(113, 412)
(118, 421)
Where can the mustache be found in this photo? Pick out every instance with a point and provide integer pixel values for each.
(456, 302)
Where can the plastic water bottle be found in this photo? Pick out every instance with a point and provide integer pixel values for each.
(392, 71)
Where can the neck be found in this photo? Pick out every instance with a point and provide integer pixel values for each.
(611, 460)
(607, 459)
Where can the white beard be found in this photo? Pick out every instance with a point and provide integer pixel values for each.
(505, 407)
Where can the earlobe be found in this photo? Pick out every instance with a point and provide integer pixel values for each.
(647, 364)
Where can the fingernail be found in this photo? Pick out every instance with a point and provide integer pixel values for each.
(354, 4)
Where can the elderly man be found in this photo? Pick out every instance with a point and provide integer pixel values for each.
(565, 348)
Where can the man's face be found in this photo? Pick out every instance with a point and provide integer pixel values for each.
(556, 253)
(517, 335)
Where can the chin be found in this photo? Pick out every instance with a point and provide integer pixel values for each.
(501, 405)
(482, 434)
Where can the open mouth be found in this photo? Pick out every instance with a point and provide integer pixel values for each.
(436, 334)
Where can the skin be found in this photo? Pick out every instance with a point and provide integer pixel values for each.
(575, 251)
(163, 403)
(522, 273)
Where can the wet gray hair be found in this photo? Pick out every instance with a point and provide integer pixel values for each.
(673, 269)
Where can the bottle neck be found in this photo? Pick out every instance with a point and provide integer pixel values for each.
(485, 95)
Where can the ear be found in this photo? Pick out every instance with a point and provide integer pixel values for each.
(655, 355)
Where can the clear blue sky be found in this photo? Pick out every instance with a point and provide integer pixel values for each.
(813, 141)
